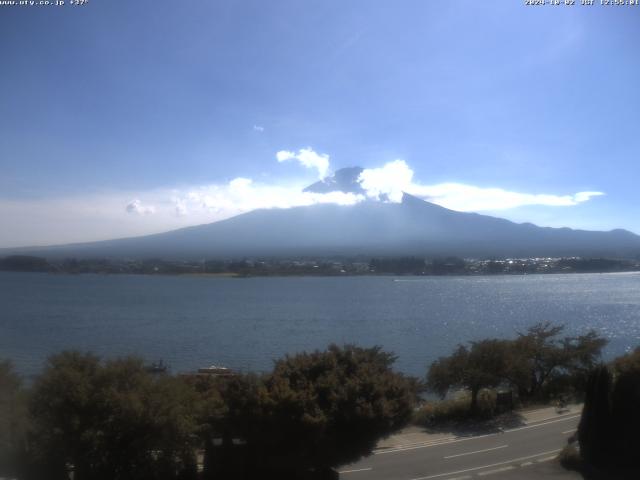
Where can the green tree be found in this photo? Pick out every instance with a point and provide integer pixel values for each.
(541, 353)
(12, 420)
(229, 408)
(610, 419)
(110, 420)
(64, 409)
(148, 424)
(315, 410)
(594, 430)
(627, 363)
(625, 417)
(342, 400)
(482, 365)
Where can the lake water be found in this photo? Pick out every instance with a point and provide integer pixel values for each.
(245, 323)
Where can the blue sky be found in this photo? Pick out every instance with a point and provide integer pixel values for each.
(123, 118)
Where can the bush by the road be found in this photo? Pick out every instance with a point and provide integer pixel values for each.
(456, 409)
(536, 364)
(569, 458)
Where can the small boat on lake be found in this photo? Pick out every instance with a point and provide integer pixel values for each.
(157, 367)
(216, 370)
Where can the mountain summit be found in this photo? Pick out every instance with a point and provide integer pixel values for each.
(344, 180)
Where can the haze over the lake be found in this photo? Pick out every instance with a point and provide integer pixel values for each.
(129, 118)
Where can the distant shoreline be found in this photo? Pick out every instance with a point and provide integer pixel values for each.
(324, 266)
(398, 277)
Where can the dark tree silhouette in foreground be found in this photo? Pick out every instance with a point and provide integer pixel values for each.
(608, 430)
(313, 412)
(109, 420)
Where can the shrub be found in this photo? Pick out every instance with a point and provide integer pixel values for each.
(570, 458)
(455, 409)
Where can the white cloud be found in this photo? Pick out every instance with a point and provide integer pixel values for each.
(243, 195)
(468, 198)
(102, 216)
(308, 158)
(136, 207)
(240, 185)
(584, 196)
(283, 155)
(180, 207)
(258, 128)
(388, 182)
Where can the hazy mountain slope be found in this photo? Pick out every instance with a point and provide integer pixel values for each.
(369, 228)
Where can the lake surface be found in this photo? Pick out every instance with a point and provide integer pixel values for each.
(245, 323)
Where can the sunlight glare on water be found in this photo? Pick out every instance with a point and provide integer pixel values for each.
(246, 323)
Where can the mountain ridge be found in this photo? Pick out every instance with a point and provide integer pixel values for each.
(412, 227)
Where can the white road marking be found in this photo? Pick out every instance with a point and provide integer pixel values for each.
(477, 451)
(432, 444)
(569, 431)
(526, 464)
(409, 446)
(486, 466)
(466, 477)
(355, 470)
(497, 470)
(546, 459)
(542, 424)
(436, 443)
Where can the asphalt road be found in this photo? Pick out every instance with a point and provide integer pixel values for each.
(483, 456)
